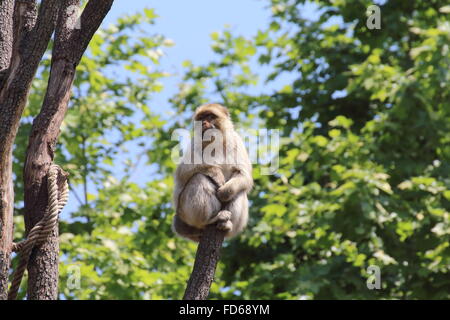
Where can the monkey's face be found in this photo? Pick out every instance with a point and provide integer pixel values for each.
(209, 121)
(213, 116)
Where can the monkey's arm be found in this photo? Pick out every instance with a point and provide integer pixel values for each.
(241, 181)
(185, 171)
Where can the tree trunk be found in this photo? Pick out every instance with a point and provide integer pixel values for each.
(69, 46)
(23, 39)
(208, 254)
(43, 264)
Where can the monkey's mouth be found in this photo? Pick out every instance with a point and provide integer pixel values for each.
(207, 127)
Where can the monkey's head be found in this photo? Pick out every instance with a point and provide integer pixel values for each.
(213, 116)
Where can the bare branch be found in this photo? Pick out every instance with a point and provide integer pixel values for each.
(73, 41)
(91, 18)
(36, 34)
(208, 254)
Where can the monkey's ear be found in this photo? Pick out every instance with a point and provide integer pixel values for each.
(225, 110)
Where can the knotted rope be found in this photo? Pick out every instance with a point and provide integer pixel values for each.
(39, 233)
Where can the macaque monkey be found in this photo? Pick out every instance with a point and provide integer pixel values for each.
(213, 191)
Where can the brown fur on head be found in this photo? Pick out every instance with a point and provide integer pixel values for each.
(213, 115)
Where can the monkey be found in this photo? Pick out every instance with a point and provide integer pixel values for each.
(213, 191)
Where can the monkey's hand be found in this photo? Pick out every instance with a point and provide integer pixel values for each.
(226, 192)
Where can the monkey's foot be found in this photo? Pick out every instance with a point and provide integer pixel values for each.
(225, 226)
(222, 218)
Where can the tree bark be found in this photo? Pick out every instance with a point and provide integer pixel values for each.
(208, 254)
(24, 38)
(69, 46)
(6, 193)
(6, 36)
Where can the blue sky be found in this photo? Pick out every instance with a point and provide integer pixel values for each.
(189, 24)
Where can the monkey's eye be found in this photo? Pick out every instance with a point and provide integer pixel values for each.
(206, 116)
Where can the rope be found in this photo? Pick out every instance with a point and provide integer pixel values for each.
(39, 233)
